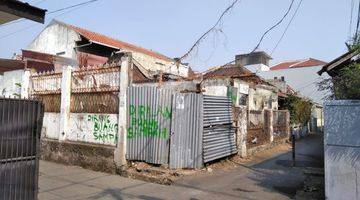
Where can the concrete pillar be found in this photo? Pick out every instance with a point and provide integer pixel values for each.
(242, 131)
(288, 127)
(65, 102)
(269, 123)
(120, 151)
(24, 93)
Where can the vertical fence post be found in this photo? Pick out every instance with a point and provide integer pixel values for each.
(65, 102)
(242, 131)
(120, 151)
(269, 123)
(288, 123)
(24, 93)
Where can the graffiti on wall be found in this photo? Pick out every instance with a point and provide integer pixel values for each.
(103, 128)
(144, 121)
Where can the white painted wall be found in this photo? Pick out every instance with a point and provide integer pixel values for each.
(257, 68)
(11, 82)
(56, 38)
(215, 90)
(303, 80)
(260, 98)
(342, 149)
(83, 127)
(51, 126)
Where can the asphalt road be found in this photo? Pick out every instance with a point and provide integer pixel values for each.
(272, 178)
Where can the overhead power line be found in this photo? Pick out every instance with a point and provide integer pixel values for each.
(72, 8)
(266, 32)
(274, 26)
(203, 36)
(287, 27)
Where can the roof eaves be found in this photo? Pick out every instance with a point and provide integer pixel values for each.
(338, 61)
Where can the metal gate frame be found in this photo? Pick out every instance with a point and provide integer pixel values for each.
(20, 129)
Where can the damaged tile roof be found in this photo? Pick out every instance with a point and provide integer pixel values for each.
(102, 39)
(227, 71)
(310, 62)
(234, 71)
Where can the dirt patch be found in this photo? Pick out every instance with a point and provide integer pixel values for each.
(160, 174)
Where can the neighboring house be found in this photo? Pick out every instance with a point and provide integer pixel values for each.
(301, 76)
(244, 87)
(87, 47)
(255, 62)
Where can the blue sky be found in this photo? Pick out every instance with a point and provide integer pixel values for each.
(170, 27)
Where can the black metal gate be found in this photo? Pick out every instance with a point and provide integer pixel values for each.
(20, 128)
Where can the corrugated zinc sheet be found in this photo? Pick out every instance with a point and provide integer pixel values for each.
(219, 134)
(186, 131)
(217, 110)
(149, 124)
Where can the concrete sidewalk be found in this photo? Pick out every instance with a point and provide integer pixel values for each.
(268, 179)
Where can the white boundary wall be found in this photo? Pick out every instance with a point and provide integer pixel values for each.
(342, 149)
(84, 127)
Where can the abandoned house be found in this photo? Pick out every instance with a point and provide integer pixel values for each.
(90, 48)
(247, 88)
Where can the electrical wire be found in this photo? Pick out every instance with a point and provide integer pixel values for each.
(265, 33)
(287, 27)
(52, 12)
(274, 26)
(69, 7)
(73, 7)
(203, 36)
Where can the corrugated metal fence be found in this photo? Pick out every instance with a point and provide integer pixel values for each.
(219, 134)
(149, 124)
(20, 127)
(184, 130)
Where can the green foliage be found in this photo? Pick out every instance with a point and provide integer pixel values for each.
(299, 108)
(346, 85)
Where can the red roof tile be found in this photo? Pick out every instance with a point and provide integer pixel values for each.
(233, 71)
(228, 71)
(96, 37)
(311, 62)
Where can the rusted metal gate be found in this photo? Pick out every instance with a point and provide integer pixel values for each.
(219, 133)
(20, 128)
